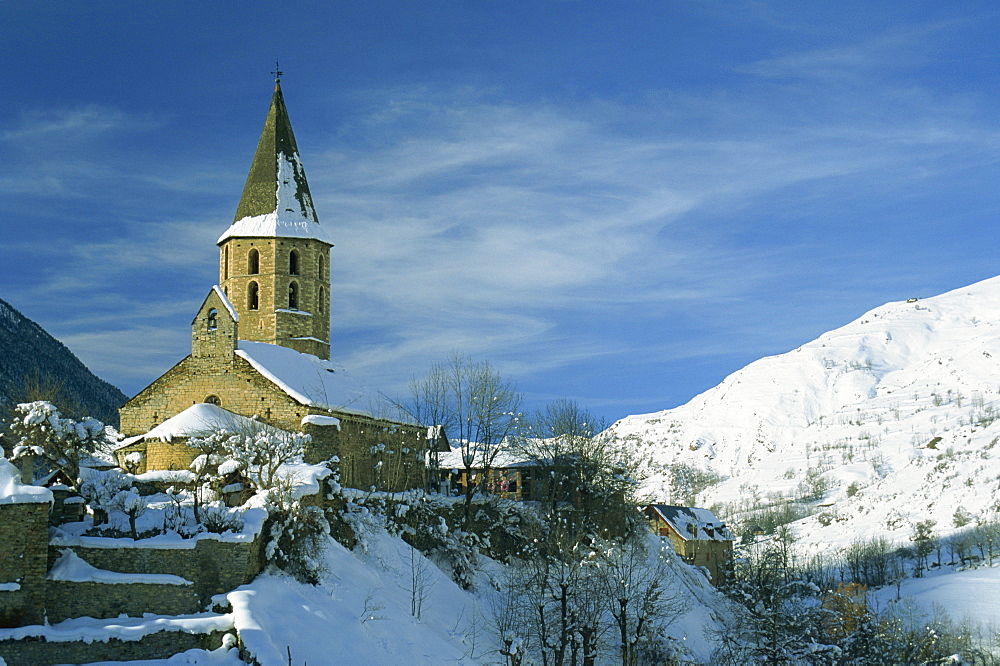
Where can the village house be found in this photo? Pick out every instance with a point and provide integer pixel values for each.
(696, 535)
(260, 342)
(509, 476)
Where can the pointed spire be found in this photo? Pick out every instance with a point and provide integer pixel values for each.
(276, 199)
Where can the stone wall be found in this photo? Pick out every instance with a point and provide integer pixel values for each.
(66, 599)
(213, 566)
(24, 531)
(237, 385)
(152, 646)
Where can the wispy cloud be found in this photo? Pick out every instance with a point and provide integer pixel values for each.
(74, 124)
(540, 233)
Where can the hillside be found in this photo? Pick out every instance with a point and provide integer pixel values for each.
(30, 356)
(876, 425)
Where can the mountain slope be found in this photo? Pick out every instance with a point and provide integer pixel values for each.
(30, 356)
(901, 403)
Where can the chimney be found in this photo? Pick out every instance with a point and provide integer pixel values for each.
(27, 469)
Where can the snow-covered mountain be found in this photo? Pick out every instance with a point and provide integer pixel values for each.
(30, 356)
(887, 421)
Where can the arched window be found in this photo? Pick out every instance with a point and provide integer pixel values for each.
(293, 296)
(213, 319)
(252, 296)
(322, 300)
(253, 262)
(213, 400)
(321, 265)
(225, 263)
(293, 262)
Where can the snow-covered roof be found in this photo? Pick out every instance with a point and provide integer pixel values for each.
(319, 420)
(504, 459)
(12, 491)
(276, 200)
(199, 420)
(693, 523)
(226, 302)
(308, 379)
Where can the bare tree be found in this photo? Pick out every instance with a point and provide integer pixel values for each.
(584, 474)
(639, 597)
(478, 408)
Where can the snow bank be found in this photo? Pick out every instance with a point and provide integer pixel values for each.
(70, 567)
(12, 491)
(318, 420)
(89, 630)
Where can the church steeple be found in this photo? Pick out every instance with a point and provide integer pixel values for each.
(274, 258)
(276, 200)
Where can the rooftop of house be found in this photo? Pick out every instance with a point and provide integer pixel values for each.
(692, 522)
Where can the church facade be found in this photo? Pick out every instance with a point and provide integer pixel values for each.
(260, 342)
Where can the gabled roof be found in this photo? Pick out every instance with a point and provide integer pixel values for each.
(307, 379)
(226, 303)
(692, 522)
(276, 199)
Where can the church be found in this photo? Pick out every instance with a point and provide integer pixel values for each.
(260, 344)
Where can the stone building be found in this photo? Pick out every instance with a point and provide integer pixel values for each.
(260, 342)
(696, 535)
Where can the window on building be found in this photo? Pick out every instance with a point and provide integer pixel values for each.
(293, 262)
(225, 263)
(321, 265)
(253, 262)
(322, 300)
(293, 296)
(252, 296)
(213, 400)
(213, 319)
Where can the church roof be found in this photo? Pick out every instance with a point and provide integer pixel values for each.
(307, 379)
(276, 199)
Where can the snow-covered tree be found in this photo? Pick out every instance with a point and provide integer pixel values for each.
(261, 452)
(37, 428)
(132, 504)
(206, 465)
(638, 591)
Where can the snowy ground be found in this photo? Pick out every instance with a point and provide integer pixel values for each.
(970, 594)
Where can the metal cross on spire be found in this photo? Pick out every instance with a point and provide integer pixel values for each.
(277, 72)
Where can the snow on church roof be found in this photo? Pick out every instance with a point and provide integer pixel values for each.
(306, 378)
(197, 421)
(226, 302)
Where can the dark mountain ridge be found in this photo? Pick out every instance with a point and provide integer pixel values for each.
(34, 365)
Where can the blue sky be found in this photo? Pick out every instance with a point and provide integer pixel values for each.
(620, 203)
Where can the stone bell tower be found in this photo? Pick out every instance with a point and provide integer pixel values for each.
(274, 263)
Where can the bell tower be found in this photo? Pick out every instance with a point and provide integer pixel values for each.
(274, 260)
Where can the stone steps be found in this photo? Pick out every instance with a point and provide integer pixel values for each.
(84, 640)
